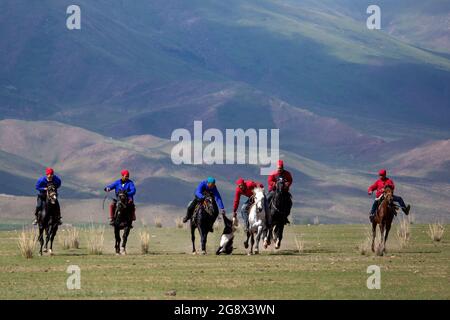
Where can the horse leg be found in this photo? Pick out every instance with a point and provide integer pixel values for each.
(388, 228)
(252, 243)
(246, 241)
(193, 237)
(382, 230)
(126, 232)
(202, 239)
(374, 234)
(53, 231)
(41, 239)
(280, 236)
(117, 236)
(258, 238)
(47, 238)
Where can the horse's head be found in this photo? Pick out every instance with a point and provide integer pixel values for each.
(122, 196)
(208, 203)
(389, 195)
(280, 184)
(52, 194)
(258, 196)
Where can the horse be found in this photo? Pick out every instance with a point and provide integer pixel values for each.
(256, 220)
(384, 216)
(48, 220)
(122, 221)
(203, 220)
(279, 208)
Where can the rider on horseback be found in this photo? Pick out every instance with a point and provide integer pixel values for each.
(206, 186)
(123, 184)
(244, 188)
(41, 186)
(379, 186)
(272, 182)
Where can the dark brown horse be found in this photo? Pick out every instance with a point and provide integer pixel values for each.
(48, 221)
(384, 216)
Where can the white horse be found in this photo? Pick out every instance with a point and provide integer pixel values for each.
(256, 220)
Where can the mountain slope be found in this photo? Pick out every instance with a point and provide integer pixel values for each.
(306, 53)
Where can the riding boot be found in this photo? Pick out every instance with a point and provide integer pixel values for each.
(190, 210)
(406, 209)
(36, 213)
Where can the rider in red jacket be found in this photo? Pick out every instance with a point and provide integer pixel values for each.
(244, 188)
(272, 182)
(379, 186)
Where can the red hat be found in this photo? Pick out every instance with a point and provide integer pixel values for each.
(280, 164)
(125, 173)
(240, 181)
(49, 171)
(382, 172)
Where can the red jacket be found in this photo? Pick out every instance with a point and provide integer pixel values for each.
(272, 180)
(246, 191)
(379, 186)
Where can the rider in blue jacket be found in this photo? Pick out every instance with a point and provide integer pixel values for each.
(123, 184)
(206, 186)
(41, 186)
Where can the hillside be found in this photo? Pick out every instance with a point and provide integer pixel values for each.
(132, 58)
(335, 194)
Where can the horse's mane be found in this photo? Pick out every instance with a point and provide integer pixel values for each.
(258, 189)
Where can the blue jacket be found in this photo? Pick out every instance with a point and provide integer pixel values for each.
(203, 186)
(42, 183)
(127, 185)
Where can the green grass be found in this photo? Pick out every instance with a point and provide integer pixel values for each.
(330, 267)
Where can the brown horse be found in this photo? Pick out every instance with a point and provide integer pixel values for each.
(384, 216)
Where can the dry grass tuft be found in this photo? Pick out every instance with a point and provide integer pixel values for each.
(95, 239)
(179, 222)
(299, 243)
(27, 242)
(157, 221)
(70, 238)
(144, 237)
(436, 231)
(403, 232)
(366, 245)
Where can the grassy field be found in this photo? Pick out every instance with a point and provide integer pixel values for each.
(330, 266)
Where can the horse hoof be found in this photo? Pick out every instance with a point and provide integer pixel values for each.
(265, 244)
(123, 252)
(203, 253)
(256, 252)
(50, 251)
(277, 245)
(245, 244)
(45, 250)
(194, 253)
